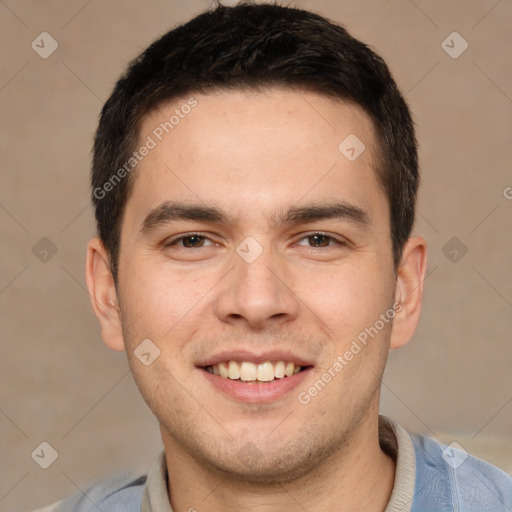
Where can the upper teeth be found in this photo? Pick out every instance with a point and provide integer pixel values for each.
(247, 371)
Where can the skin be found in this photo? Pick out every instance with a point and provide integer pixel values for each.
(253, 155)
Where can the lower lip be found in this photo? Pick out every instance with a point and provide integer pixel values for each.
(257, 392)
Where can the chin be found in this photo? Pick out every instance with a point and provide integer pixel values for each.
(277, 464)
(265, 471)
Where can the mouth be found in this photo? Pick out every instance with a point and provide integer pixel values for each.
(252, 373)
(264, 379)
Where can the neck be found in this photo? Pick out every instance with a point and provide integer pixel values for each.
(358, 476)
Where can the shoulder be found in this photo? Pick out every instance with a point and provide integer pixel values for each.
(117, 493)
(448, 478)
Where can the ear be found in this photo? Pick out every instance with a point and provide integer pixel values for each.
(103, 294)
(409, 290)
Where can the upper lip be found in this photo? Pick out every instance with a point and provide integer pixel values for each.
(254, 357)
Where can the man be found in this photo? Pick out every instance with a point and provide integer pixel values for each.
(254, 179)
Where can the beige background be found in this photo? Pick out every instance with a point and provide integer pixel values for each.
(61, 385)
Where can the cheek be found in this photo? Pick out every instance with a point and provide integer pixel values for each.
(347, 301)
(156, 303)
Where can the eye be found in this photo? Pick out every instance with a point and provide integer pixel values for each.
(320, 240)
(190, 241)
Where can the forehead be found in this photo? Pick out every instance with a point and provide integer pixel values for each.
(245, 149)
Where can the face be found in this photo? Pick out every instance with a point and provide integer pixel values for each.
(254, 255)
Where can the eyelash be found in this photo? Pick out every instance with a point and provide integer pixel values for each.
(331, 238)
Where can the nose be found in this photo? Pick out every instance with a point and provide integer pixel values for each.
(258, 293)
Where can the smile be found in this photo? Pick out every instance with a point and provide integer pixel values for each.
(249, 372)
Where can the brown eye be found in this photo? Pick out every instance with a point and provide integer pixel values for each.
(319, 240)
(193, 241)
(190, 241)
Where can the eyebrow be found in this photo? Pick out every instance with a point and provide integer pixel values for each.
(341, 210)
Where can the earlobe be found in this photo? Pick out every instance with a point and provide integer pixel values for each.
(103, 294)
(409, 291)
